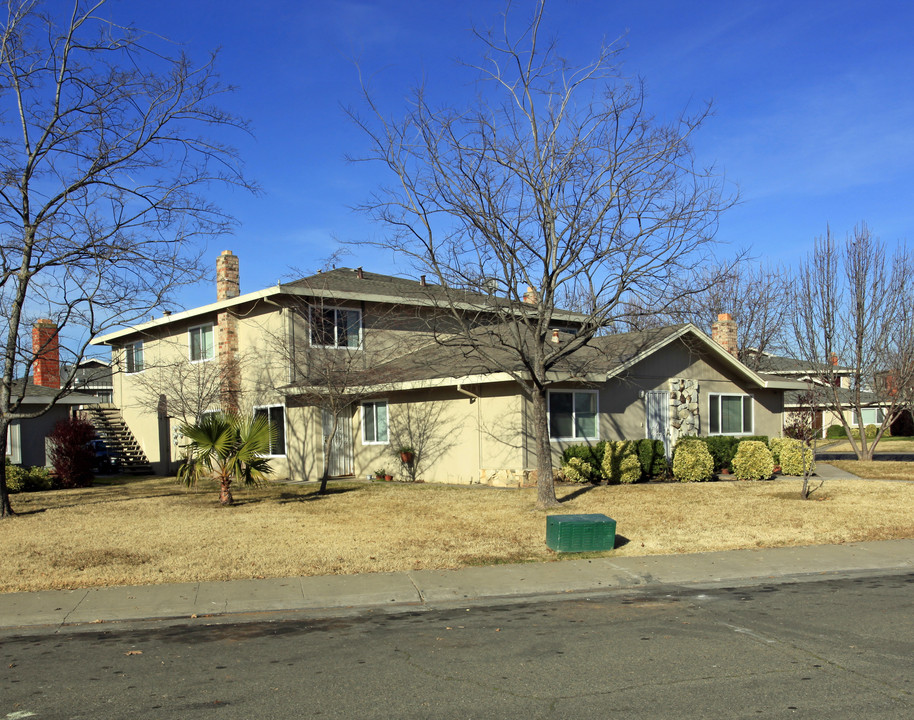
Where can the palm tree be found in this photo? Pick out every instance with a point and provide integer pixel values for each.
(227, 448)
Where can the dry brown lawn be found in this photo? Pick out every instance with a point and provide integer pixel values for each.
(886, 445)
(878, 469)
(152, 531)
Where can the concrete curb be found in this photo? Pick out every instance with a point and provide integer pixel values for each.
(441, 588)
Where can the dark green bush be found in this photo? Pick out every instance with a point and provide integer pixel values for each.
(835, 432)
(652, 456)
(591, 454)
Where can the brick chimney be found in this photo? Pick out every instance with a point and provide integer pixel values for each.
(46, 349)
(723, 332)
(531, 296)
(228, 279)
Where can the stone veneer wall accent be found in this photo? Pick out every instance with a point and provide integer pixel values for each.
(684, 414)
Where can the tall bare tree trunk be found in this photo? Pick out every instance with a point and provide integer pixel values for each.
(6, 509)
(545, 486)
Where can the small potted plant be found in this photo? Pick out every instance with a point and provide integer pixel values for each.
(379, 474)
(406, 454)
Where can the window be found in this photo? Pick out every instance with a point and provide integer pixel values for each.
(276, 416)
(336, 327)
(730, 415)
(201, 343)
(871, 416)
(134, 353)
(374, 422)
(573, 415)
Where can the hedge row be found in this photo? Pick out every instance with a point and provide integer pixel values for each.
(695, 459)
(622, 461)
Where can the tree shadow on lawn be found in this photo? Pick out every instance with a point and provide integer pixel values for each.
(315, 495)
(576, 493)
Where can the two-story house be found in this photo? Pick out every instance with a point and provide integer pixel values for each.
(382, 346)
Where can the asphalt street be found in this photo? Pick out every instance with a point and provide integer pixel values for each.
(835, 648)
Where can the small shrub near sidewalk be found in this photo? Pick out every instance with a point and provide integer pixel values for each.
(753, 461)
(796, 456)
(692, 462)
(621, 463)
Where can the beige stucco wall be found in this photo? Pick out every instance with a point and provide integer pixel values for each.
(455, 437)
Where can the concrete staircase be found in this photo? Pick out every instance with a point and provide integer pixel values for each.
(111, 428)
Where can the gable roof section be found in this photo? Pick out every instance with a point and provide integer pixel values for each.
(604, 358)
(38, 394)
(342, 284)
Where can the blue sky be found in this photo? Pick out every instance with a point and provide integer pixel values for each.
(814, 109)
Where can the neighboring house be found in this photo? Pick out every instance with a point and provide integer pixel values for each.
(26, 438)
(93, 377)
(464, 417)
(810, 374)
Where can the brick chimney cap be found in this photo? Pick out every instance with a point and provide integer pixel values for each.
(45, 321)
(226, 252)
(724, 317)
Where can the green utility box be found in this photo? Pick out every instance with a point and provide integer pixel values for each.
(579, 533)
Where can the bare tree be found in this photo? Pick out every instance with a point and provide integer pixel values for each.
(187, 390)
(106, 149)
(752, 292)
(334, 372)
(557, 179)
(854, 324)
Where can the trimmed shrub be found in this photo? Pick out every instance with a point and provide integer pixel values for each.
(753, 461)
(27, 479)
(793, 455)
(591, 454)
(775, 445)
(835, 432)
(692, 462)
(652, 456)
(580, 471)
(71, 456)
(621, 463)
(871, 431)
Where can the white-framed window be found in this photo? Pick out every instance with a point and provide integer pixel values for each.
(573, 414)
(13, 443)
(134, 353)
(336, 327)
(276, 416)
(729, 414)
(200, 342)
(374, 423)
(871, 416)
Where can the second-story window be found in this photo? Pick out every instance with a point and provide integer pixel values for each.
(201, 343)
(134, 352)
(336, 327)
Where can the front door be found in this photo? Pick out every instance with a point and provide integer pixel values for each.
(341, 445)
(657, 410)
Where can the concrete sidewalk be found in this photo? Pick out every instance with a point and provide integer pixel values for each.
(446, 588)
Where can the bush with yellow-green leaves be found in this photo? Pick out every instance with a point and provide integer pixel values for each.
(621, 463)
(796, 458)
(752, 461)
(692, 462)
